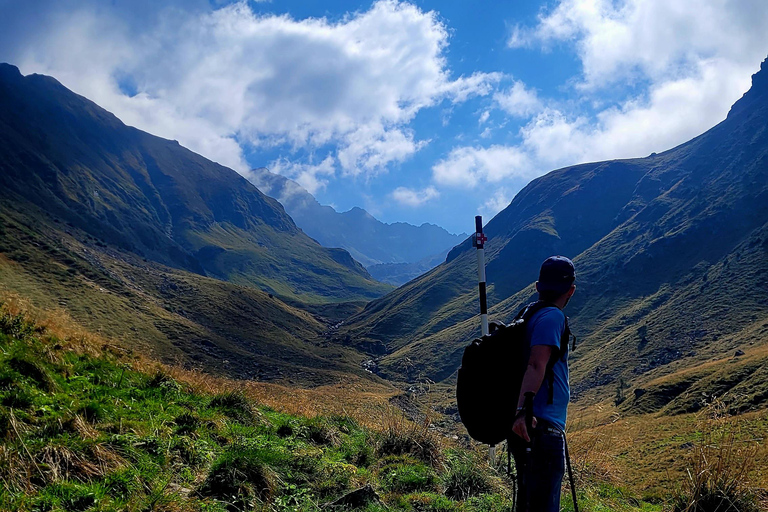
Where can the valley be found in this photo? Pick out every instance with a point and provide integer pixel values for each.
(177, 261)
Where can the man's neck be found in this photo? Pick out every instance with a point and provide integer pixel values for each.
(560, 303)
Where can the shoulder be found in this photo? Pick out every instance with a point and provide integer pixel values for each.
(546, 327)
(548, 316)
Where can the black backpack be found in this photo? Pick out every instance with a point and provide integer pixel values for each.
(491, 373)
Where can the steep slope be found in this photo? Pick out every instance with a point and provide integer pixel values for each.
(178, 317)
(152, 197)
(671, 253)
(369, 240)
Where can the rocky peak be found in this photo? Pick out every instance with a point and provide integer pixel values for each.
(756, 95)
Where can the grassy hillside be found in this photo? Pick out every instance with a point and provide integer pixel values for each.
(178, 316)
(86, 426)
(671, 253)
(65, 158)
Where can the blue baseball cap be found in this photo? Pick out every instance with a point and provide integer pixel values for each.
(557, 274)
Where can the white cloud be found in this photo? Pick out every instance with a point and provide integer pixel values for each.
(498, 201)
(520, 37)
(311, 177)
(686, 62)
(371, 148)
(656, 39)
(414, 198)
(468, 166)
(219, 79)
(484, 117)
(518, 101)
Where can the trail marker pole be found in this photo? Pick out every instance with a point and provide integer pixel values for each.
(478, 241)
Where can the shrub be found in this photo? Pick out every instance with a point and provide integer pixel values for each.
(322, 433)
(358, 449)
(429, 502)
(465, 476)
(34, 371)
(239, 477)
(234, 404)
(408, 476)
(186, 423)
(16, 325)
(403, 437)
(719, 468)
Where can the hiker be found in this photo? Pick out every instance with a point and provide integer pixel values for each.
(538, 446)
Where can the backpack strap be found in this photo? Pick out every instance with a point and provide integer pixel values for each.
(564, 339)
(525, 314)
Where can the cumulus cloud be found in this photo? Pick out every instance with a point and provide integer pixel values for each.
(468, 166)
(312, 177)
(686, 63)
(413, 198)
(499, 199)
(216, 80)
(518, 100)
(671, 113)
(655, 39)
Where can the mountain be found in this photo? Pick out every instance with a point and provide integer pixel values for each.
(400, 273)
(370, 241)
(671, 253)
(72, 160)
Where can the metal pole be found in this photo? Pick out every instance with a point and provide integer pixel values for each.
(478, 241)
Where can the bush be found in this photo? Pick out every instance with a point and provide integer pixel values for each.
(429, 502)
(234, 404)
(358, 449)
(239, 477)
(186, 423)
(719, 468)
(320, 432)
(33, 371)
(407, 476)
(402, 437)
(466, 477)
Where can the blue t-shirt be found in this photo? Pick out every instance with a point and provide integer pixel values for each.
(546, 327)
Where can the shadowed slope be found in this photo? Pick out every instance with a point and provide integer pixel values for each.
(152, 197)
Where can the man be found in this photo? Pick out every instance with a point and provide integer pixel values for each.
(540, 454)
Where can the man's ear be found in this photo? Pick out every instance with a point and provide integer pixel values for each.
(537, 287)
(572, 290)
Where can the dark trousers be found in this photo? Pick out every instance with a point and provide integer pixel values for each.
(540, 471)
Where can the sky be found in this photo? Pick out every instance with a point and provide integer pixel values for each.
(420, 111)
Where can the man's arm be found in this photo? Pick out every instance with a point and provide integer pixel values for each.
(532, 380)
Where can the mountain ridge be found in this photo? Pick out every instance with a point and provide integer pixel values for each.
(151, 196)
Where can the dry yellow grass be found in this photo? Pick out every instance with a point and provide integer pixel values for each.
(658, 453)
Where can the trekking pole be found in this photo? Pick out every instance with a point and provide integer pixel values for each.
(478, 241)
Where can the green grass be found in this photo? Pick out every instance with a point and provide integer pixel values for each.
(85, 430)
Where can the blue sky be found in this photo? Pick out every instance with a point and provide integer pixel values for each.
(419, 111)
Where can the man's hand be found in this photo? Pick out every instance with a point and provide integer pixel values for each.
(519, 428)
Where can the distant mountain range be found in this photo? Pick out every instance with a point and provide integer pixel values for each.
(393, 253)
(671, 254)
